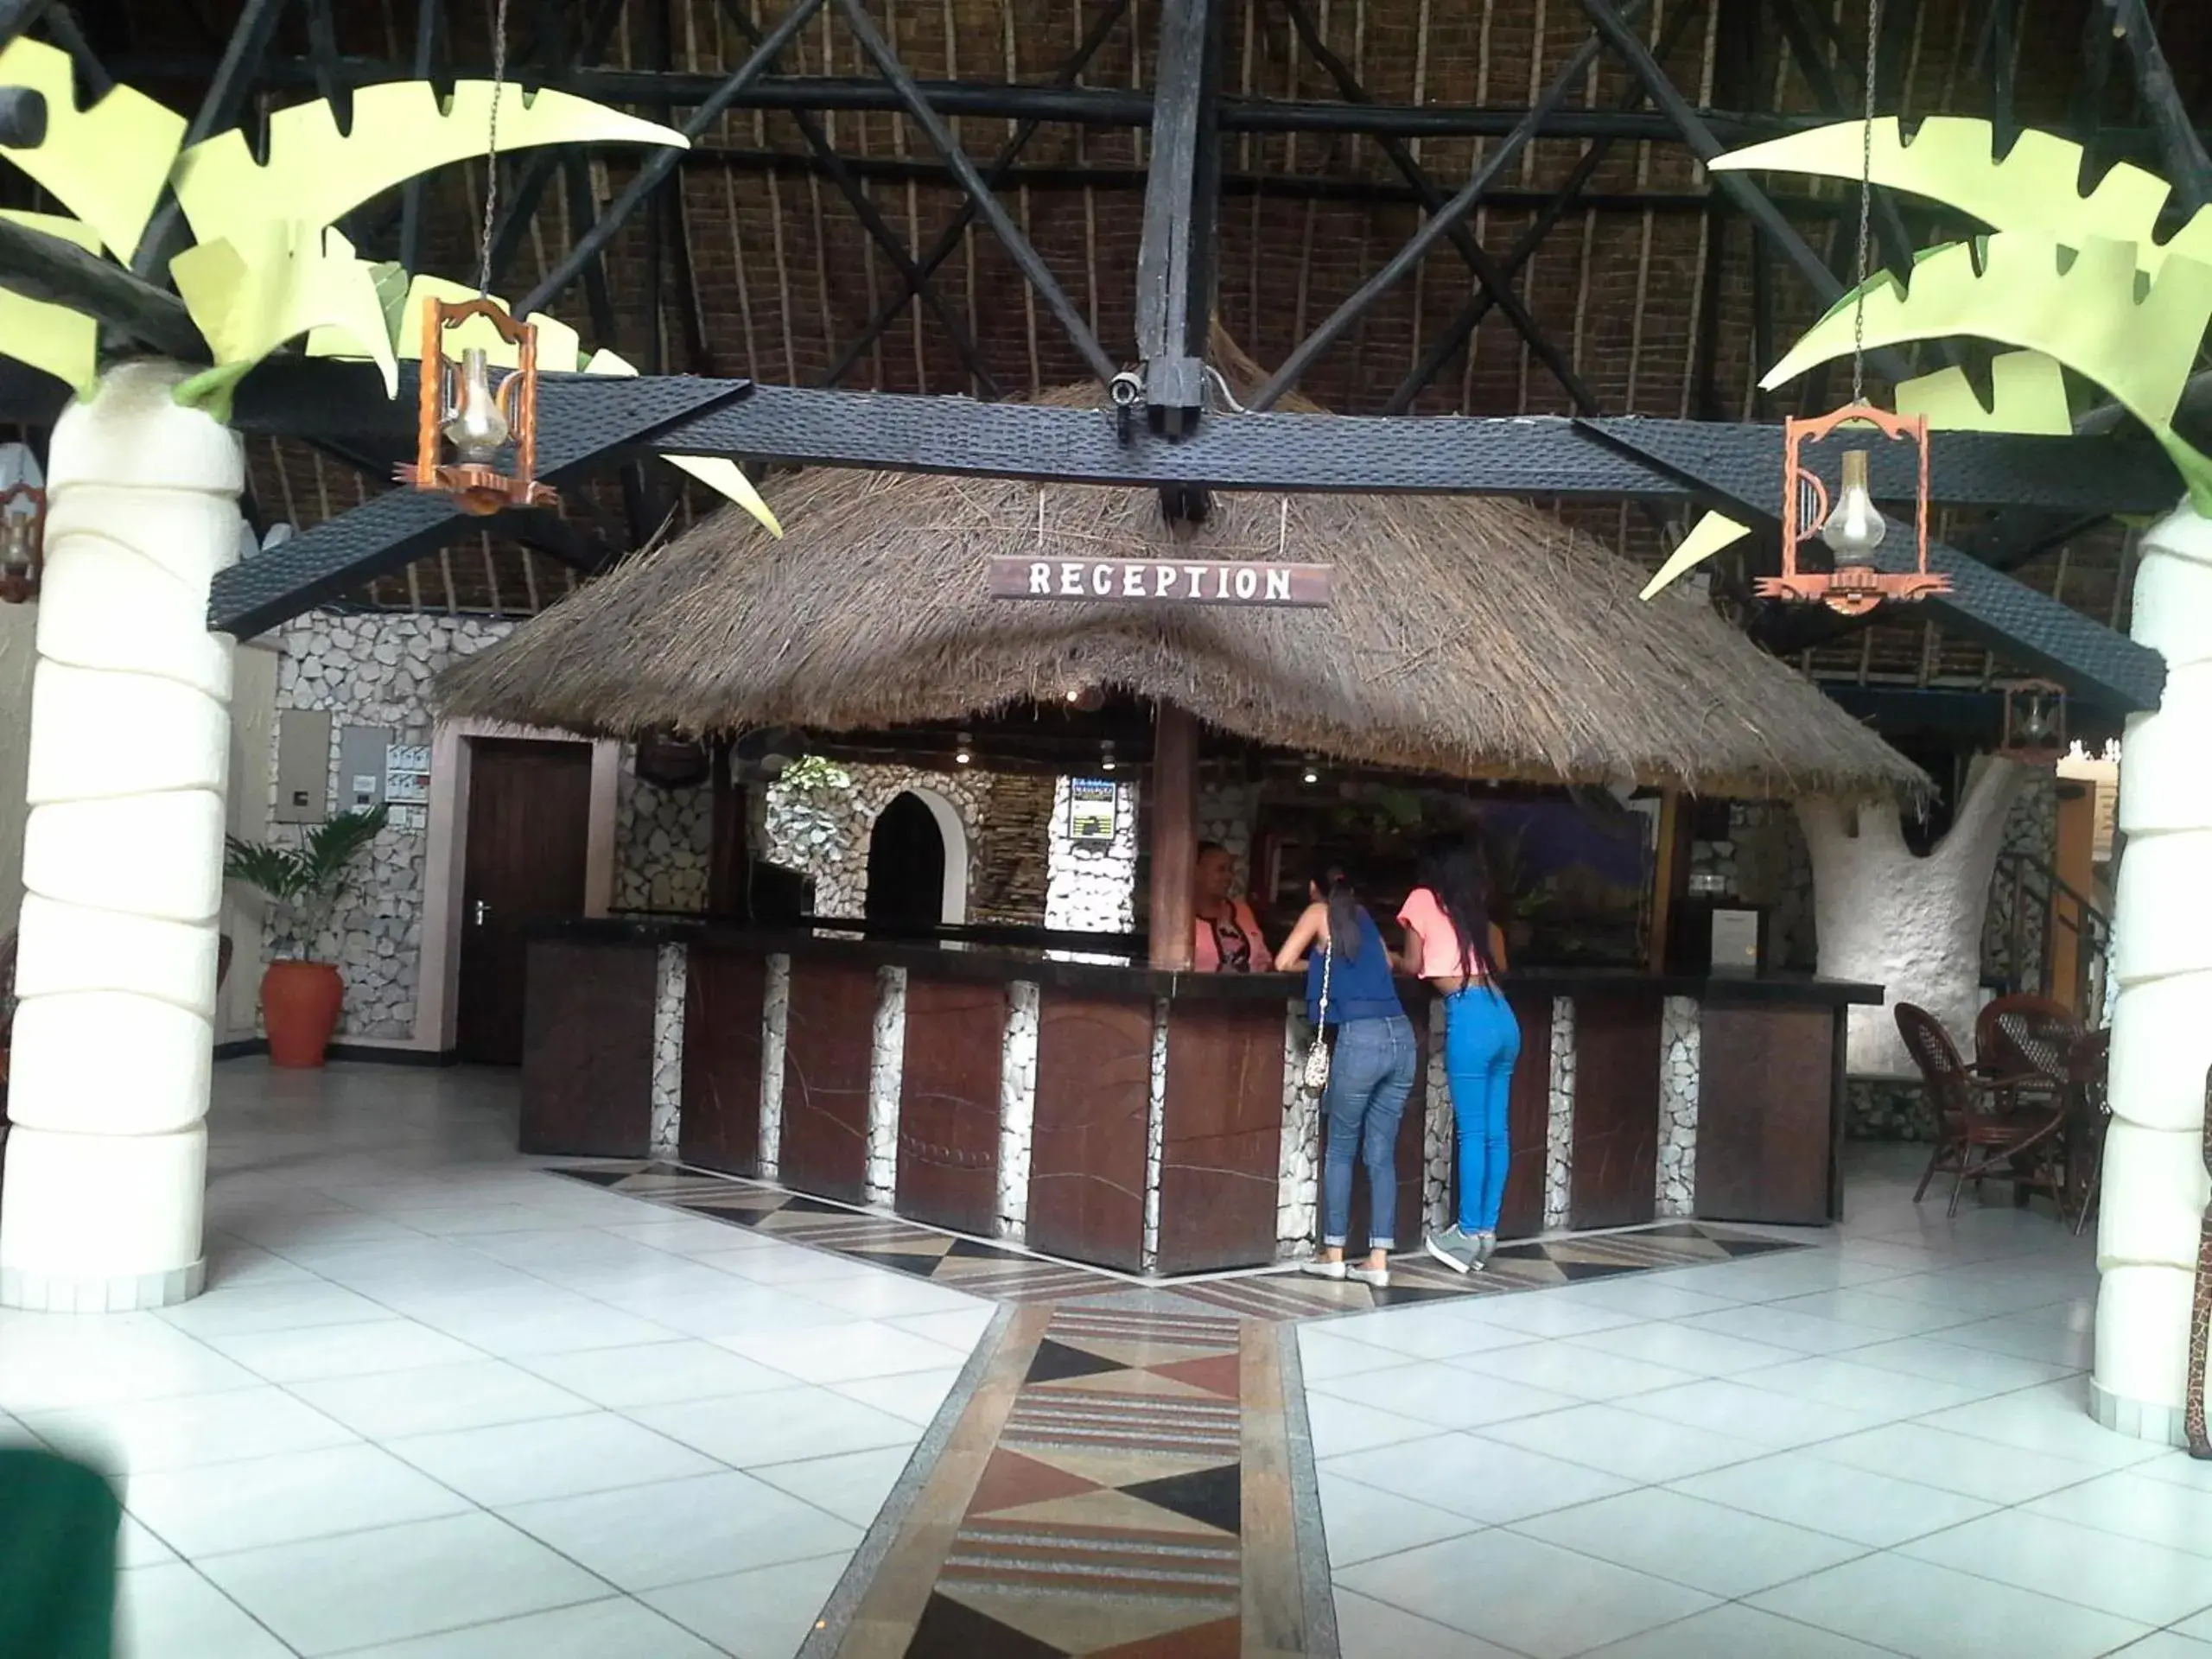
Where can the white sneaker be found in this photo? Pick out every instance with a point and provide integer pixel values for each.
(1321, 1268)
(1379, 1278)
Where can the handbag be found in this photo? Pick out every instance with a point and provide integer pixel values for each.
(1317, 1056)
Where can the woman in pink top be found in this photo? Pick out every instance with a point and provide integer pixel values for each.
(1227, 938)
(1452, 942)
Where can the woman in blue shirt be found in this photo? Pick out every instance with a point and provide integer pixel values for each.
(1371, 1068)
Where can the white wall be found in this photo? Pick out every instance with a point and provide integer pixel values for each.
(253, 736)
(18, 631)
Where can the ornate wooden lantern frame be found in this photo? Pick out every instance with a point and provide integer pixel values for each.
(2018, 745)
(19, 587)
(477, 489)
(1855, 589)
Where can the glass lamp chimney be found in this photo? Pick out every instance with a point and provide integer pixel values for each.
(477, 428)
(1855, 526)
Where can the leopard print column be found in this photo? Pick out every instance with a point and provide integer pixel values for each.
(2200, 1334)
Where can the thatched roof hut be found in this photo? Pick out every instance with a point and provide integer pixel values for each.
(1469, 637)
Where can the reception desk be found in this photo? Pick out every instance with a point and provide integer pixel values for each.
(1148, 1122)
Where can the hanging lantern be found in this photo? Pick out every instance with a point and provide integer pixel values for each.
(1851, 524)
(466, 423)
(22, 543)
(2035, 722)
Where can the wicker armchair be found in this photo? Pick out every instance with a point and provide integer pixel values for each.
(1978, 1136)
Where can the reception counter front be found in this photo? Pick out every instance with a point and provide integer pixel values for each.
(1148, 1122)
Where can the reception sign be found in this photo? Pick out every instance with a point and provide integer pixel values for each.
(1163, 582)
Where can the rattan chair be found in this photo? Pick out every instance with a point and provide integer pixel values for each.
(1977, 1135)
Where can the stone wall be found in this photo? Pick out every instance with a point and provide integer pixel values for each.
(664, 840)
(1559, 1125)
(368, 670)
(820, 826)
(1091, 889)
(2031, 831)
(1009, 872)
(1680, 1053)
(1766, 863)
(671, 979)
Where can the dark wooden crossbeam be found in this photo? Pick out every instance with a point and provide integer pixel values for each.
(1175, 260)
(43, 267)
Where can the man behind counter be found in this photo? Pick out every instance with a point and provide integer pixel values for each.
(1228, 938)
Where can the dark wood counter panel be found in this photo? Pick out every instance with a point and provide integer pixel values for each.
(724, 996)
(828, 1051)
(588, 1048)
(1094, 1115)
(1221, 1136)
(949, 1104)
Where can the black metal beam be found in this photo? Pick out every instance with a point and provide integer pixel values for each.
(1303, 356)
(167, 234)
(591, 415)
(16, 17)
(1017, 246)
(1175, 258)
(43, 267)
(841, 176)
(2188, 167)
(993, 176)
(61, 24)
(23, 117)
(413, 221)
(2021, 624)
(537, 172)
(661, 162)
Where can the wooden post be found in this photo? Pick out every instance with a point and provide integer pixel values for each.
(1172, 796)
(2075, 862)
(1670, 874)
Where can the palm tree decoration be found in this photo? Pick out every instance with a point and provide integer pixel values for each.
(123, 850)
(2084, 284)
(307, 878)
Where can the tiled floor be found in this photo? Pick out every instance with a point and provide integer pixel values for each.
(439, 1403)
(1875, 1446)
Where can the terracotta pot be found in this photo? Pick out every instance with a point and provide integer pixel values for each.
(299, 1005)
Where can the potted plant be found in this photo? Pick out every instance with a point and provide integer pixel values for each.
(300, 997)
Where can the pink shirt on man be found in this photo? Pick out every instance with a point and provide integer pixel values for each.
(1440, 957)
(1206, 951)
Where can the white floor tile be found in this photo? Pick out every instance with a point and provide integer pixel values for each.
(1956, 1463)
(765, 1614)
(843, 1353)
(1362, 1522)
(1481, 1479)
(143, 1436)
(2179, 1468)
(1638, 1449)
(55, 1363)
(1947, 1361)
(439, 1399)
(1559, 1603)
(688, 1235)
(1445, 1395)
(1372, 1629)
(280, 1500)
(657, 1374)
(2199, 1628)
(792, 1264)
(2054, 1420)
(779, 1427)
(1532, 1313)
(959, 1329)
(1885, 1313)
(171, 1612)
(1563, 1368)
(852, 1485)
(2155, 1511)
(2027, 1336)
(569, 1325)
(1721, 1551)
(884, 1294)
(1874, 1510)
(615, 1629)
(341, 1350)
(1706, 1353)
(561, 1457)
(647, 1537)
(1324, 1357)
(1737, 1632)
(1427, 1332)
(1766, 1417)
(2166, 1645)
(136, 1546)
(1341, 1426)
(2126, 1576)
(916, 1397)
(1649, 1296)
(337, 1593)
(1932, 1612)
(1837, 1380)
(1780, 1325)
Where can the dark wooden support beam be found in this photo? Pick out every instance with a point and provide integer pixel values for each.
(993, 176)
(1017, 246)
(599, 304)
(1171, 807)
(1307, 350)
(1174, 308)
(43, 267)
(2188, 169)
(660, 162)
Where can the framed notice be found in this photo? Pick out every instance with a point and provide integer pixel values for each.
(407, 774)
(1094, 809)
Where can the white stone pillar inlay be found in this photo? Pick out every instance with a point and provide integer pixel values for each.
(775, 1021)
(670, 974)
(1439, 1138)
(887, 1070)
(1680, 1053)
(1298, 1200)
(1155, 1134)
(123, 856)
(1559, 1120)
(1017, 1107)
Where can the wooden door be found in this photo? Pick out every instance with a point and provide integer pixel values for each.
(529, 819)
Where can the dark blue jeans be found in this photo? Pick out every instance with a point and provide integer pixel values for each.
(1370, 1074)
(1481, 1041)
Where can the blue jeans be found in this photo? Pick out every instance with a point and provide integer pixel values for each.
(1370, 1074)
(1481, 1041)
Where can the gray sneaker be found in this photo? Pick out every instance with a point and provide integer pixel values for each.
(1461, 1252)
(1485, 1244)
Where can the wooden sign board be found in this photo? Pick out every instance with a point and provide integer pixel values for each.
(1164, 582)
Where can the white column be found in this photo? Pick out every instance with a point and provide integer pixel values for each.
(2155, 1183)
(123, 857)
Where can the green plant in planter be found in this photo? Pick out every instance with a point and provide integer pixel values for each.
(306, 880)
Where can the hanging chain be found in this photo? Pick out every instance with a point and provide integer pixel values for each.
(492, 150)
(1865, 206)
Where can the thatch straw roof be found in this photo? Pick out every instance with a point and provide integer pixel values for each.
(1470, 637)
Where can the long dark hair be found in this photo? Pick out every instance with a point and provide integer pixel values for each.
(1453, 868)
(1343, 901)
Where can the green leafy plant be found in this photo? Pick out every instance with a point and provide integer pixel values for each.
(307, 878)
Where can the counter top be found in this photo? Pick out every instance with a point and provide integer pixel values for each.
(999, 963)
